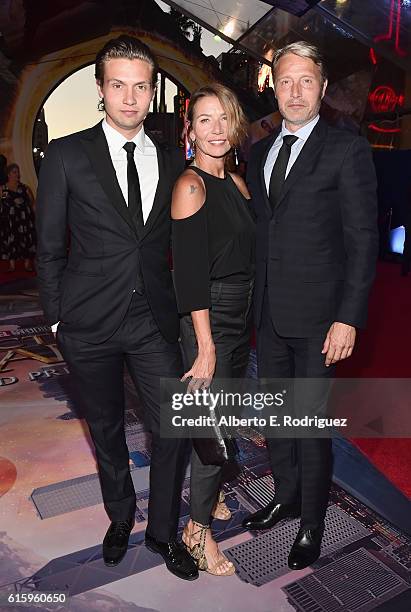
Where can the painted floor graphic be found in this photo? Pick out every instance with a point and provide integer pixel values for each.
(52, 520)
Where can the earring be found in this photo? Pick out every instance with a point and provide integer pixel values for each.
(235, 156)
(193, 148)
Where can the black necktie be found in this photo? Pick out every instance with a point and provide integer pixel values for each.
(134, 193)
(278, 174)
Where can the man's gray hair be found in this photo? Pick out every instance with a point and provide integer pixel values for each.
(303, 49)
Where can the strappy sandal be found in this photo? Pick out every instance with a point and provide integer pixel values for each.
(197, 551)
(221, 511)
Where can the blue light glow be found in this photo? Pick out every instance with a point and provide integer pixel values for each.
(397, 236)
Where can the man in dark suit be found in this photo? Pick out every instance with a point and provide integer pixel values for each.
(111, 292)
(314, 191)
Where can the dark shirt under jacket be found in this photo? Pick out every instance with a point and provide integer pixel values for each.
(216, 243)
(213, 255)
(316, 253)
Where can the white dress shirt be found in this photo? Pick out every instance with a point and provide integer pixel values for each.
(303, 133)
(145, 157)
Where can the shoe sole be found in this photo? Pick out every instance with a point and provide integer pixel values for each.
(157, 552)
(114, 564)
(297, 569)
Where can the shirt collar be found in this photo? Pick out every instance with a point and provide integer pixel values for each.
(116, 141)
(303, 132)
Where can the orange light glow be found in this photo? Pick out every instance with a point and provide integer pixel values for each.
(265, 77)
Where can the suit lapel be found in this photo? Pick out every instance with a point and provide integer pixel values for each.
(163, 191)
(96, 146)
(265, 153)
(306, 159)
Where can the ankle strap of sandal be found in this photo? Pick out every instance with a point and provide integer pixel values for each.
(201, 527)
(221, 497)
(203, 532)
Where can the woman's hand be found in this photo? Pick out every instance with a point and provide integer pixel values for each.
(202, 370)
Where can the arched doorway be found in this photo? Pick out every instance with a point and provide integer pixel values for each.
(38, 79)
(72, 106)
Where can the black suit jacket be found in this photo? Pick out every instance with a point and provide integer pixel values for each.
(89, 286)
(317, 251)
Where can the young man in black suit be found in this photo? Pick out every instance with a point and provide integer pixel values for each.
(111, 292)
(314, 191)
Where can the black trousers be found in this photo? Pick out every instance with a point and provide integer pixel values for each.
(231, 324)
(301, 467)
(98, 371)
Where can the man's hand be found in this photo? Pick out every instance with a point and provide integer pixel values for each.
(339, 343)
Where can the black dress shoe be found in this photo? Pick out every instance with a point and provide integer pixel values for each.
(115, 542)
(306, 548)
(177, 559)
(271, 515)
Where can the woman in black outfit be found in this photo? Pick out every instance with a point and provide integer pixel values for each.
(17, 224)
(213, 255)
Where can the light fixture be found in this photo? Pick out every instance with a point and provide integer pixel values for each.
(265, 75)
(228, 29)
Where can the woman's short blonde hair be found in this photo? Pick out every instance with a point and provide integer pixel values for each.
(237, 121)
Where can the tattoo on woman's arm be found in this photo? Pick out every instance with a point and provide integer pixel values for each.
(193, 188)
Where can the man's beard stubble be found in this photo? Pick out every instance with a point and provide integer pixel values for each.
(302, 120)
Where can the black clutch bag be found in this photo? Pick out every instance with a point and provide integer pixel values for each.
(218, 448)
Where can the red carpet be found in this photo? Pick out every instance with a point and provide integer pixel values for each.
(6, 277)
(383, 351)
